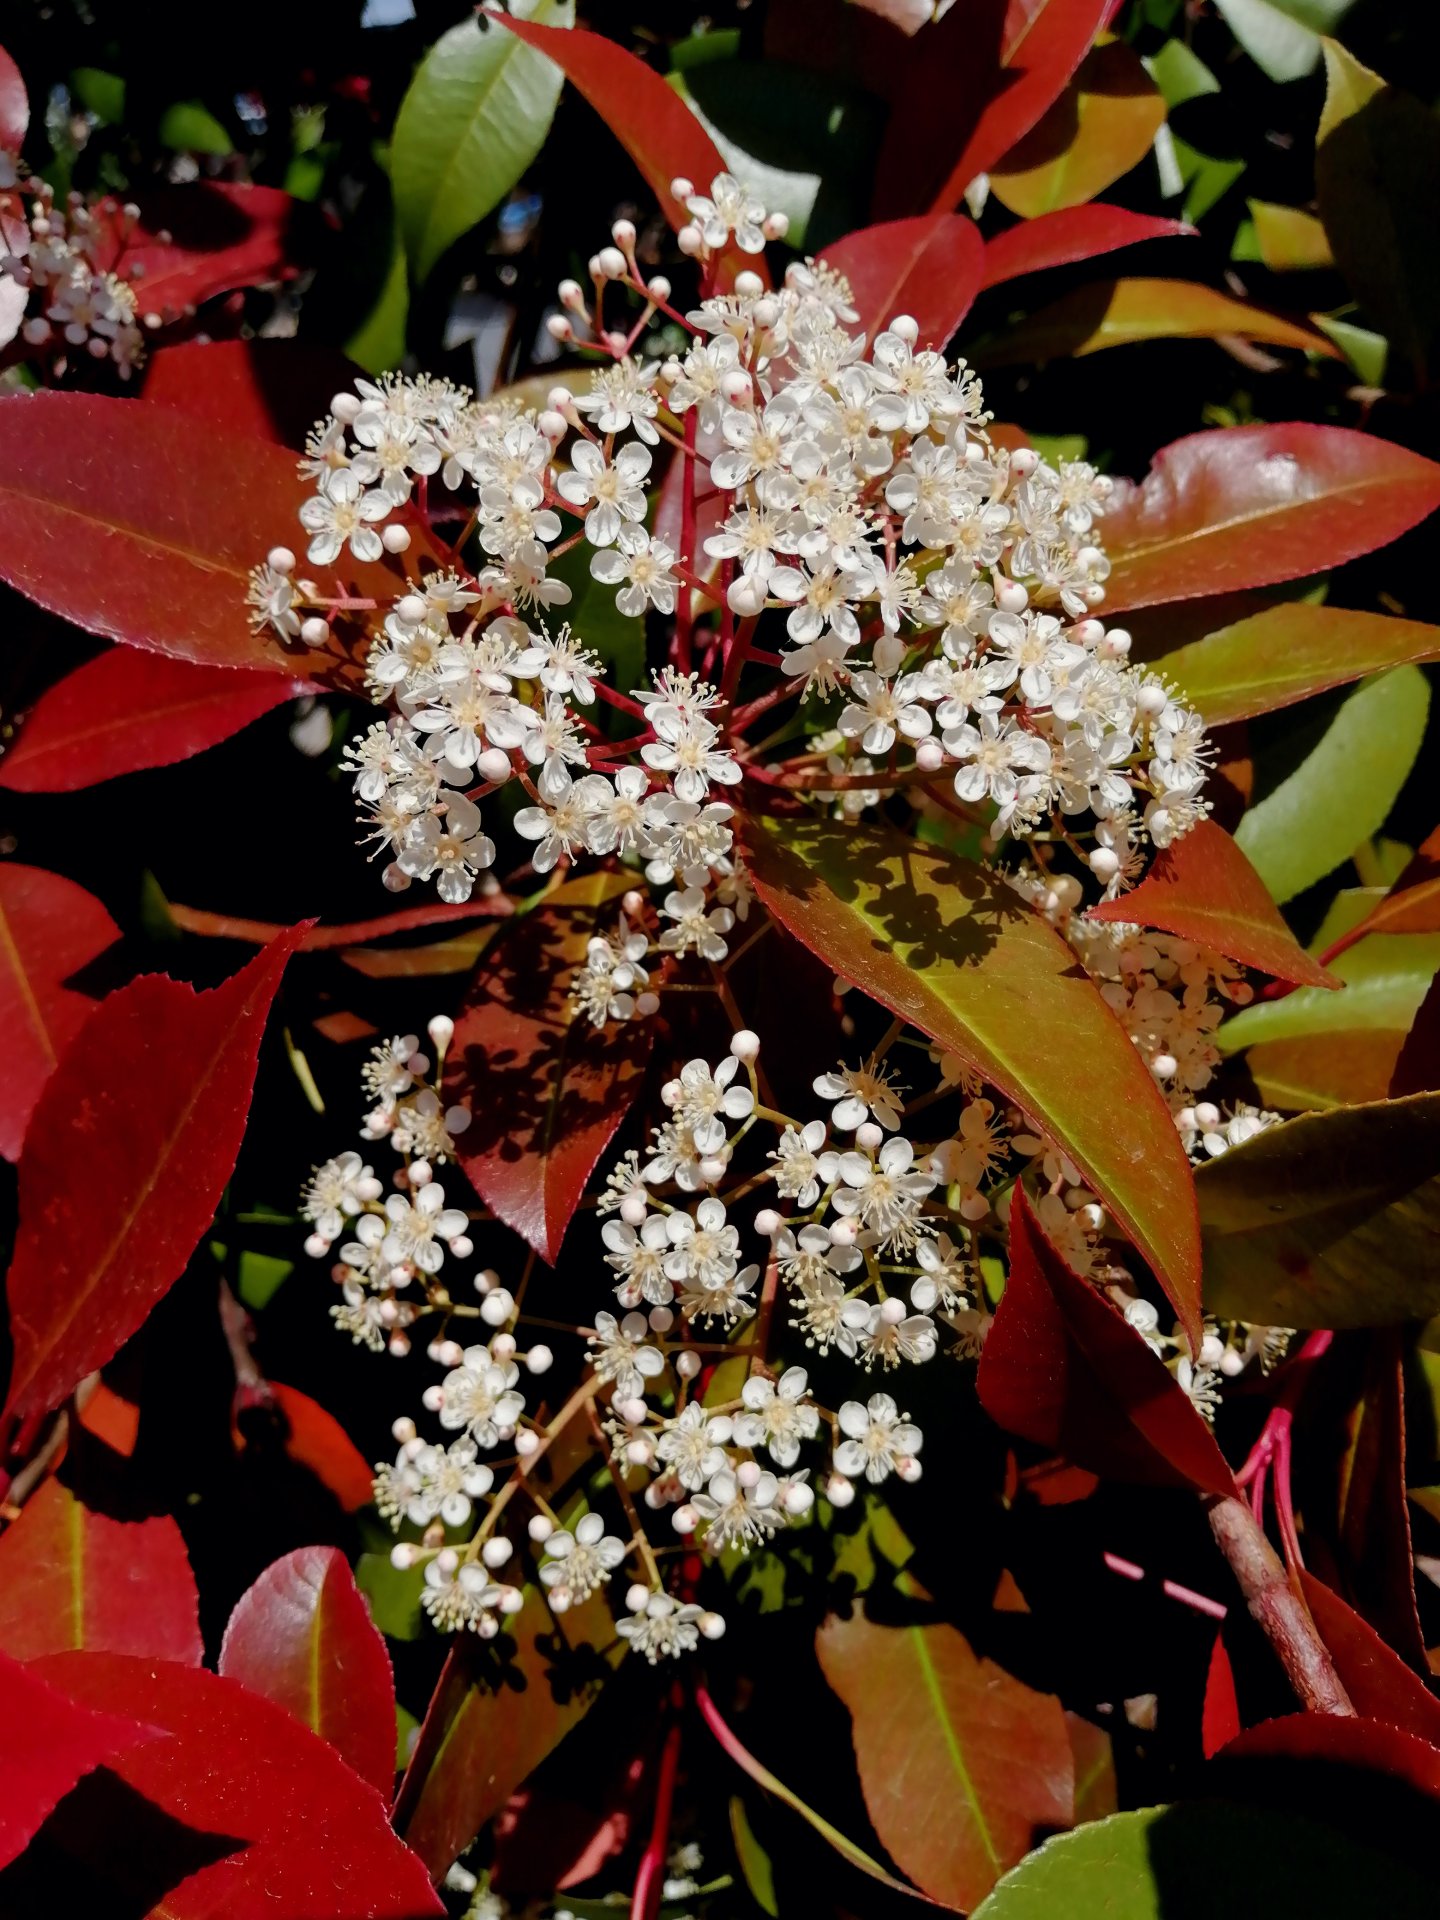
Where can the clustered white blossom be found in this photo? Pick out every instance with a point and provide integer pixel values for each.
(59, 288)
(942, 587)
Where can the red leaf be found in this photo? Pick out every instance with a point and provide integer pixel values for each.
(1374, 1514)
(1247, 506)
(649, 119)
(49, 930)
(119, 517)
(1204, 889)
(127, 1155)
(1338, 1741)
(73, 1579)
(1074, 233)
(264, 389)
(1061, 1367)
(1220, 1717)
(218, 235)
(317, 1845)
(128, 710)
(984, 77)
(52, 1744)
(1411, 906)
(316, 1440)
(302, 1636)
(259, 933)
(547, 1089)
(929, 267)
(963, 1766)
(1377, 1680)
(1417, 1066)
(14, 104)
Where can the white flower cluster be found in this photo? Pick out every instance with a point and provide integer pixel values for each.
(50, 254)
(943, 584)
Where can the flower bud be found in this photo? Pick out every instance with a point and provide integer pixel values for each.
(659, 288)
(526, 1442)
(868, 1136)
(623, 234)
(496, 1552)
(502, 1347)
(690, 240)
(611, 263)
(1116, 644)
(748, 285)
(930, 756)
(314, 631)
(768, 1223)
(712, 1625)
(1023, 462)
(403, 1556)
(395, 538)
(1104, 864)
(905, 327)
(682, 189)
(1010, 596)
(633, 1209)
(540, 1528)
(637, 1598)
(345, 406)
(281, 559)
(685, 1519)
(745, 1045)
(687, 1364)
(559, 328)
(497, 1307)
(736, 386)
(839, 1491)
(539, 1360)
(776, 226)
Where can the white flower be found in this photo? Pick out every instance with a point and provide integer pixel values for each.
(619, 1355)
(577, 1564)
(640, 1261)
(690, 1445)
(777, 1416)
(480, 1396)
(417, 1228)
(728, 209)
(563, 825)
(703, 1101)
(996, 753)
(642, 569)
(695, 929)
(617, 490)
(737, 1513)
(337, 1192)
(878, 711)
(343, 511)
(663, 1628)
(685, 748)
(861, 1093)
(799, 1162)
(878, 1441)
(455, 849)
(885, 1195)
(445, 1482)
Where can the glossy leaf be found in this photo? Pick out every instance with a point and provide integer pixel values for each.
(649, 119)
(1385, 978)
(205, 238)
(1371, 1536)
(963, 1766)
(458, 954)
(763, 1777)
(74, 1578)
(1417, 1065)
(1075, 233)
(115, 1191)
(51, 1744)
(1342, 792)
(474, 118)
(1287, 238)
(945, 945)
(49, 930)
(259, 389)
(1343, 1069)
(929, 267)
(1118, 313)
(475, 1749)
(1412, 904)
(259, 933)
(128, 710)
(1204, 889)
(998, 97)
(302, 1636)
(1283, 36)
(1220, 1716)
(303, 1835)
(1101, 126)
(315, 1439)
(1061, 1367)
(1247, 506)
(111, 516)
(1334, 1741)
(14, 104)
(1288, 653)
(1205, 1858)
(1377, 162)
(1329, 1220)
(547, 1089)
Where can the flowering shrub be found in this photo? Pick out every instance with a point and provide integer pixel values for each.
(860, 1164)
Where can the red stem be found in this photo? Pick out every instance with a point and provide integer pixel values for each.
(650, 1880)
(684, 613)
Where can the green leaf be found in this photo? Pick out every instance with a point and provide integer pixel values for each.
(1288, 653)
(1386, 977)
(1202, 1859)
(948, 947)
(1377, 175)
(100, 93)
(1118, 313)
(188, 127)
(755, 1865)
(393, 1595)
(474, 118)
(259, 1278)
(379, 341)
(1180, 74)
(1329, 1220)
(1367, 352)
(1343, 792)
(1282, 37)
(1288, 238)
(962, 1765)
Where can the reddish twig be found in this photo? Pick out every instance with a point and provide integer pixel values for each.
(650, 1880)
(1275, 1606)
